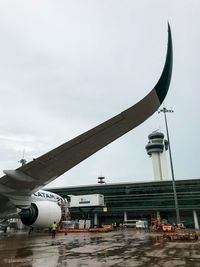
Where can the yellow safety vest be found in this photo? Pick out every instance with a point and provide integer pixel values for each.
(53, 226)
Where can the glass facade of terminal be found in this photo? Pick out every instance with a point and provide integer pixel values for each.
(139, 200)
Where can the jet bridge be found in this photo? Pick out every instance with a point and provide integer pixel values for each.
(93, 200)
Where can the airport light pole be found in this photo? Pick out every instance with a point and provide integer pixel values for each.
(164, 110)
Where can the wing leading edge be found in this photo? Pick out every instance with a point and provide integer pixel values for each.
(37, 173)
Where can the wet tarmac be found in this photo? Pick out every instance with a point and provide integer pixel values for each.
(123, 248)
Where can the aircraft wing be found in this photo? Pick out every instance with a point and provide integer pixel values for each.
(42, 170)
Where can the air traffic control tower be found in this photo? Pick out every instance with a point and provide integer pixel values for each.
(156, 148)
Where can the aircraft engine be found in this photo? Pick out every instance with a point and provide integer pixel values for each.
(41, 214)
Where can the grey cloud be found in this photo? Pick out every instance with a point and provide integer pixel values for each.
(67, 66)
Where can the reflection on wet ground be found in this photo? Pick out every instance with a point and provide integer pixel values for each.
(124, 248)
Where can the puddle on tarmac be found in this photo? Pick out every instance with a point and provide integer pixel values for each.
(123, 248)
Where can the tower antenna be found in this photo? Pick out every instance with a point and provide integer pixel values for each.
(23, 160)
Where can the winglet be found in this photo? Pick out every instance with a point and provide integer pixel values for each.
(163, 83)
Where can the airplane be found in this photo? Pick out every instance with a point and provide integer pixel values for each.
(20, 189)
(41, 201)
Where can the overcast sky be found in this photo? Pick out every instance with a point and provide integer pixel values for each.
(66, 66)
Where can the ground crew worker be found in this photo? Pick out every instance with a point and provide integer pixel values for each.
(53, 229)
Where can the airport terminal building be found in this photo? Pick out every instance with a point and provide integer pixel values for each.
(141, 200)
